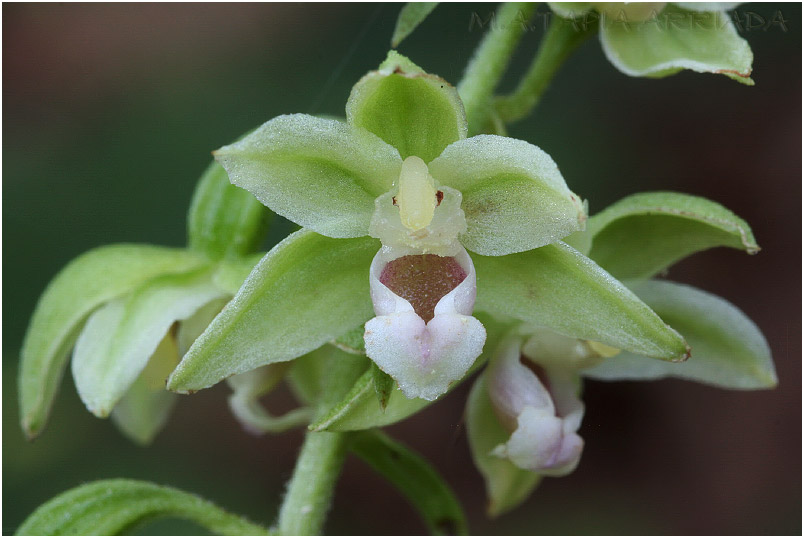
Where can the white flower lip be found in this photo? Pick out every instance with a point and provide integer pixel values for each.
(424, 358)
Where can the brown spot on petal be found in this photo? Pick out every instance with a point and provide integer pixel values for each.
(422, 280)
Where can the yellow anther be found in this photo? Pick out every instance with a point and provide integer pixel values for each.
(417, 194)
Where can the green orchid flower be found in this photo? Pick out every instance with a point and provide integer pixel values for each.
(523, 420)
(129, 312)
(655, 40)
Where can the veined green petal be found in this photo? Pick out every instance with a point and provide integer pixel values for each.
(676, 39)
(410, 16)
(321, 174)
(557, 287)
(224, 220)
(728, 349)
(514, 197)
(642, 234)
(86, 283)
(111, 507)
(306, 291)
(507, 486)
(417, 113)
(359, 409)
(146, 406)
(120, 337)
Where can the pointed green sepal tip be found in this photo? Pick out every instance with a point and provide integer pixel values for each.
(410, 17)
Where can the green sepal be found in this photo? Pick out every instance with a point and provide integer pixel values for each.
(84, 284)
(410, 16)
(559, 288)
(676, 39)
(224, 220)
(642, 234)
(232, 272)
(383, 385)
(514, 196)
(120, 337)
(415, 478)
(415, 112)
(306, 291)
(321, 174)
(507, 486)
(728, 349)
(144, 409)
(358, 410)
(114, 507)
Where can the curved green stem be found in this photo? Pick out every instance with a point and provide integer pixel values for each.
(562, 38)
(309, 494)
(490, 60)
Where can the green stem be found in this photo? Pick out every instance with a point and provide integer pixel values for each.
(490, 60)
(309, 494)
(561, 39)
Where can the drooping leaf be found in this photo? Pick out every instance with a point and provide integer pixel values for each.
(415, 112)
(413, 476)
(306, 291)
(358, 410)
(120, 337)
(642, 234)
(557, 287)
(321, 174)
(113, 507)
(224, 220)
(411, 15)
(144, 409)
(87, 282)
(677, 39)
(728, 350)
(507, 486)
(514, 196)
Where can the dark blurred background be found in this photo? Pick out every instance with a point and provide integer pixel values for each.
(110, 113)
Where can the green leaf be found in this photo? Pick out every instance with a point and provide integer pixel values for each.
(306, 291)
(728, 349)
(413, 476)
(507, 486)
(514, 196)
(87, 282)
(113, 507)
(557, 287)
(411, 15)
(321, 174)
(120, 337)
(642, 234)
(144, 409)
(358, 410)
(676, 39)
(383, 385)
(224, 220)
(417, 113)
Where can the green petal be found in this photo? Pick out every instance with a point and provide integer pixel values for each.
(321, 174)
(146, 406)
(570, 10)
(507, 486)
(417, 113)
(232, 272)
(224, 220)
(87, 282)
(514, 197)
(559, 288)
(415, 478)
(359, 409)
(306, 291)
(643, 234)
(706, 42)
(410, 16)
(120, 337)
(728, 349)
(111, 507)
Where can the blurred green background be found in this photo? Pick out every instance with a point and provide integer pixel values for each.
(109, 115)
